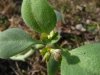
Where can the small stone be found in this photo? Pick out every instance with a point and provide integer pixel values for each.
(88, 21)
(80, 27)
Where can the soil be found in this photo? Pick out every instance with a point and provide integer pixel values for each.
(80, 25)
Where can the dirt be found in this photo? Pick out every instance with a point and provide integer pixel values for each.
(77, 14)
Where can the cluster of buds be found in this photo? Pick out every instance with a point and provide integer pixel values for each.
(47, 52)
(56, 53)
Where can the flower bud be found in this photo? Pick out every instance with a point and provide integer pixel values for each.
(56, 53)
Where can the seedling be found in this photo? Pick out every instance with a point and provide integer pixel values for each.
(16, 44)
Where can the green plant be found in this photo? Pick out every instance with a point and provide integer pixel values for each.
(18, 45)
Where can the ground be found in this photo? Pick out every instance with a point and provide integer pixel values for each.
(80, 25)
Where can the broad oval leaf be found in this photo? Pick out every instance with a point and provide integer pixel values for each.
(84, 60)
(14, 41)
(39, 15)
(52, 66)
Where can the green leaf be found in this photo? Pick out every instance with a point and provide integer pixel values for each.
(39, 15)
(22, 57)
(58, 15)
(84, 60)
(56, 37)
(14, 41)
(52, 66)
(91, 27)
